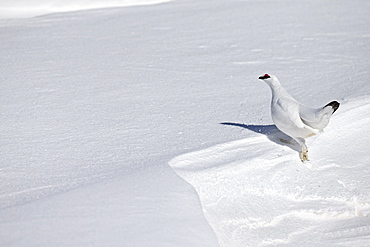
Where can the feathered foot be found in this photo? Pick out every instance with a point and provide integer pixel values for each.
(303, 155)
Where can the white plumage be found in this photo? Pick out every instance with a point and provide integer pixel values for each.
(295, 119)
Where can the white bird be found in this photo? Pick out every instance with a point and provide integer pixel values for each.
(295, 119)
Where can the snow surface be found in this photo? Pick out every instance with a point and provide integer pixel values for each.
(147, 126)
(253, 192)
(32, 8)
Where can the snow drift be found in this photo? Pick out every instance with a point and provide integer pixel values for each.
(323, 202)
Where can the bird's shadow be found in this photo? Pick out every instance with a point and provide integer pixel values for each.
(272, 133)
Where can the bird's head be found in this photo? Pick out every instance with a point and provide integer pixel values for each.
(269, 79)
(265, 77)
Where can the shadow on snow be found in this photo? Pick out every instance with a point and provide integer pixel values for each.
(272, 133)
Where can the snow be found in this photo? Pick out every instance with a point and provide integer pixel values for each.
(322, 203)
(147, 125)
(27, 9)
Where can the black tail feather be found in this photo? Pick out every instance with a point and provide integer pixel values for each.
(334, 105)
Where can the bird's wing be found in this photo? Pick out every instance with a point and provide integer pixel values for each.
(316, 118)
(292, 110)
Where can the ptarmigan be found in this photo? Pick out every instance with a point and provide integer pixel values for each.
(293, 118)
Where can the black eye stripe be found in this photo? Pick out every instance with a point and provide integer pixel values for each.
(264, 77)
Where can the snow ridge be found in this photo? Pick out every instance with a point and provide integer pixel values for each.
(257, 193)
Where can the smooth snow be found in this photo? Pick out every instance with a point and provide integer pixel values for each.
(147, 126)
(32, 8)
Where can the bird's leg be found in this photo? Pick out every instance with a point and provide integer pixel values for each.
(303, 150)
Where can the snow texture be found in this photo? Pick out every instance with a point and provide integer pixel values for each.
(148, 126)
(255, 194)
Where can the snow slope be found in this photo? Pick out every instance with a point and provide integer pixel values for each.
(116, 124)
(257, 193)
